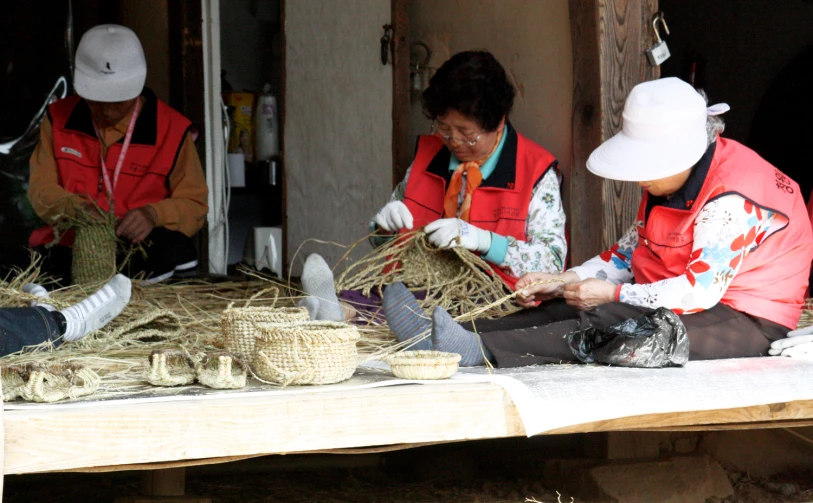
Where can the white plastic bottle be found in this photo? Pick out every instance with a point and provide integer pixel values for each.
(266, 126)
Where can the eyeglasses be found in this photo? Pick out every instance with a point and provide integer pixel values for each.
(448, 136)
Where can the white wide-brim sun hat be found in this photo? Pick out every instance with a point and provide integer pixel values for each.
(663, 134)
(110, 64)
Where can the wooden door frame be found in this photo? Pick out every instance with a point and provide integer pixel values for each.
(401, 154)
(609, 40)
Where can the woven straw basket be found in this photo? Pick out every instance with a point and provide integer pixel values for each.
(423, 365)
(238, 325)
(318, 352)
(94, 255)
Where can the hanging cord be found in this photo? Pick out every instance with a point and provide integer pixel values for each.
(223, 219)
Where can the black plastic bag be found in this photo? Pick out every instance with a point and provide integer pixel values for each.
(653, 340)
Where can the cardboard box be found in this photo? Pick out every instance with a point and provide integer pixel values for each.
(242, 125)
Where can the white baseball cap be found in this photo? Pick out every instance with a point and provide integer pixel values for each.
(663, 133)
(110, 64)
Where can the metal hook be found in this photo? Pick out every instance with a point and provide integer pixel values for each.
(659, 17)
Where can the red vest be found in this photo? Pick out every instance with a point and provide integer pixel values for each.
(157, 138)
(773, 277)
(501, 202)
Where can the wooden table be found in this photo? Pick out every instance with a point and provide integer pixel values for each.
(167, 434)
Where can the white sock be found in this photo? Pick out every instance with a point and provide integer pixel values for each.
(39, 292)
(97, 310)
(317, 281)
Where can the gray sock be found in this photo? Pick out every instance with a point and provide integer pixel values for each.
(317, 281)
(405, 316)
(450, 337)
(311, 304)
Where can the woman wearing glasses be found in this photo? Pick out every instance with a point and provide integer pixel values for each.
(477, 183)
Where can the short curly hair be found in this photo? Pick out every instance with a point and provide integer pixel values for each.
(474, 84)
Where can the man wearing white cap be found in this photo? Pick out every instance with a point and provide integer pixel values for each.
(722, 238)
(118, 148)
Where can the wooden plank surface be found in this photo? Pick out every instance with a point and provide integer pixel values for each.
(46, 439)
(122, 436)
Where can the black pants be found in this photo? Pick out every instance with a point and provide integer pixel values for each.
(28, 326)
(539, 335)
(166, 250)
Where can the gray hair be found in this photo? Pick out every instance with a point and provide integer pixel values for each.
(715, 125)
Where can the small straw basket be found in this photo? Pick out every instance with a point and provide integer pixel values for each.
(423, 365)
(318, 352)
(239, 325)
(94, 254)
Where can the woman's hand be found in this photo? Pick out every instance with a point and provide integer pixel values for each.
(589, 293)
(530, 294)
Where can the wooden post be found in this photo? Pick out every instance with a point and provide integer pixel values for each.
(609, 39)
(167, 485)
(401, 154)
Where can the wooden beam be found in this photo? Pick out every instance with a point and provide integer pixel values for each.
(118, 433)
(585, 189)
(401, 154)
(626, 28)
(609, 39)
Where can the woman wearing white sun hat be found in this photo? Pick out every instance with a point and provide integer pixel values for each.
(722, 238)
(117, 147)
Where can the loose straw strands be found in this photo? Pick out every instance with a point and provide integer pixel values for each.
(457, 280)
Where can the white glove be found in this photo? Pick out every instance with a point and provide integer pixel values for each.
(444, 233)
(394, 217)
(795, 338)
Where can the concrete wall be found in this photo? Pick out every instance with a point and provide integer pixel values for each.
(338, 123)
(744, 45)
(532, 41)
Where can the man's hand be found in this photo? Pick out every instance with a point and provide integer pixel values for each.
(453, 232)
(589, 293)
(530, 294)
(137, 224)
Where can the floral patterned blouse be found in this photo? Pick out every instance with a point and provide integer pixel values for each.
(546, 247)
(725, 231)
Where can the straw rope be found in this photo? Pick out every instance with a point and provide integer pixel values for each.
(305, 353)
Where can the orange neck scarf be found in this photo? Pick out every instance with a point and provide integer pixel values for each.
(473, 180)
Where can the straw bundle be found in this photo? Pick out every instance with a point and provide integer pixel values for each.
(239, 325)
(457, 280)
(305, 353)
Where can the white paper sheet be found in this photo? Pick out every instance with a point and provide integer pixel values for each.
(555, 396)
